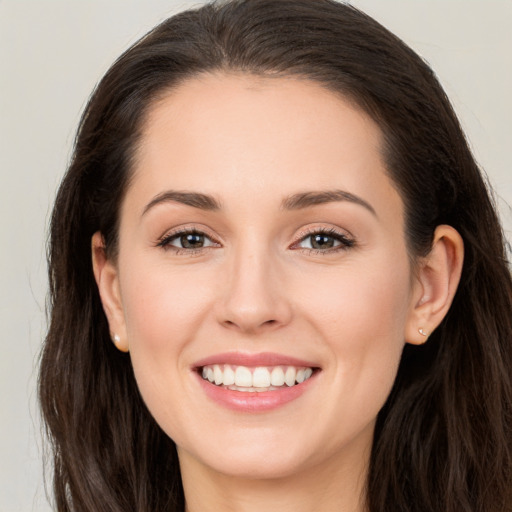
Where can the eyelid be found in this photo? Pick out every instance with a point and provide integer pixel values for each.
(346, 239)
(163, 241)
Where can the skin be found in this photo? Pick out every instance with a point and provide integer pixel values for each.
(257, 286)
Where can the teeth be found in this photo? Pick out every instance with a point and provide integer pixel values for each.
(277, 376)
(218, 374)
(289, 376)
(229, 376)
(243, 377)
(261, 378)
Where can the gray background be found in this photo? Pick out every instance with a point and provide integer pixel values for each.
(52, 53)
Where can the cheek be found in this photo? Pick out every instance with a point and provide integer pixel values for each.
(162, 306)
(361, 302)
(361, 313)
(164, 309)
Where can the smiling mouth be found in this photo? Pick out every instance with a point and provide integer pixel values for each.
(255, 379)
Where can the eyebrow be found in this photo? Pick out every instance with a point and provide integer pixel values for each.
(194, 199)
(297, 201)
(308, 199)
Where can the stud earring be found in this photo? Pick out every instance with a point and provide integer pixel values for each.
(117, 342)
(422, 331)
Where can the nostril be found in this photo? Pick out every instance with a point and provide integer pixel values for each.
(249, 326)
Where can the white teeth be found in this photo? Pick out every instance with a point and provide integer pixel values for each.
(261, 378)
(243, 376)
(229, 376)
(289, 376)
(242, 388)
(277, 376)
(251, 390)
(218, 374)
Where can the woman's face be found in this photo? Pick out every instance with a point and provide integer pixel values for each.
(262, 241)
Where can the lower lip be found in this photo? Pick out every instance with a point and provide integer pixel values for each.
(246, 401)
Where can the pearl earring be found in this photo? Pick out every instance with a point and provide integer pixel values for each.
(422, 331)
(117, 342)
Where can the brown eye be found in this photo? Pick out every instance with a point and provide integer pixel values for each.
(324, 241)
(192, 241)
(187, 240)
(321, 241)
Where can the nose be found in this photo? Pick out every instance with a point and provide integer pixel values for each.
(255, 297)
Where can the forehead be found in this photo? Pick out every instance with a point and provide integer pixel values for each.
(274, 111)
(218, 133)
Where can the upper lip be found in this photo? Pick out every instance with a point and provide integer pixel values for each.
(257, 359)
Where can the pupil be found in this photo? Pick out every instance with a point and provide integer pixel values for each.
(322, 242)
(192, 241)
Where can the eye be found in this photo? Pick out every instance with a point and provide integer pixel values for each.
(324, 241)
(187, 240)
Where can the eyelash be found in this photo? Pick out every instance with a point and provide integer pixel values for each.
(166, 240)
(345, 242)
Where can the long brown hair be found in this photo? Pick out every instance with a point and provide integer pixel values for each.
(443, 441)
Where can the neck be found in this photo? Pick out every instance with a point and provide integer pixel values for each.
(338, 484)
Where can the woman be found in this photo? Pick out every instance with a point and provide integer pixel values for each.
(273, 214)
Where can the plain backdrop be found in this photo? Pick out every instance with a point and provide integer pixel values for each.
(52, 53)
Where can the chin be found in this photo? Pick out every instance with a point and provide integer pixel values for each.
(258, 466)
(267, 454)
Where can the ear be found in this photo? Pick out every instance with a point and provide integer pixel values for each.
(437, 279)
(107, 280)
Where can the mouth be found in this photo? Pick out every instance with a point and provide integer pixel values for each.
(255, 383)
(255, 379)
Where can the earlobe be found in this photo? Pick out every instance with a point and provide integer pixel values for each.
(107, 280)
(438, 277)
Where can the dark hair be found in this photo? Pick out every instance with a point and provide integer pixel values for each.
(443, 441)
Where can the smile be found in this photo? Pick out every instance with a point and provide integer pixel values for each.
(257, 382)
(255, 379)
